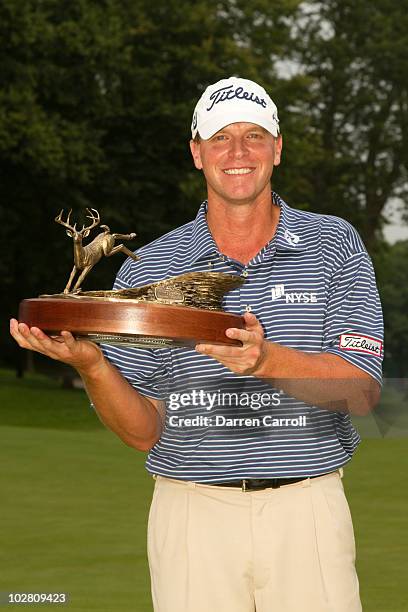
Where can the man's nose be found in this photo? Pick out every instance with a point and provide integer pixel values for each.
(238, 148)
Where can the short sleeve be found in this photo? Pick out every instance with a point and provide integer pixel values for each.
(353, 326)
(145, 369)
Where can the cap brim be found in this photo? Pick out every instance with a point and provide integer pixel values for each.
(215, 124)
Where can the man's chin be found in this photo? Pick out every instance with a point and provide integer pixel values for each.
(243, 199)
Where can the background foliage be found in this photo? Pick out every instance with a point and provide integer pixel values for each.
(96, 100)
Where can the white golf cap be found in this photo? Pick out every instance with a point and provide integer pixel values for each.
(233, 100)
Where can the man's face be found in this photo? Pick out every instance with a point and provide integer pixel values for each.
(238, 162)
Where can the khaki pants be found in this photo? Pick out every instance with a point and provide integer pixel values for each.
(214, 549)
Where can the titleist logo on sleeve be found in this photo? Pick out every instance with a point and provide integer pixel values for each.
(228, 93)
(360, 344)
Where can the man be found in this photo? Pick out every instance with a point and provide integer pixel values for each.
(247, 443)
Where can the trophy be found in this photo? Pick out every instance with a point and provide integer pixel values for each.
(181, 310)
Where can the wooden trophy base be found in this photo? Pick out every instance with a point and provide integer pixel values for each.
(143, 324)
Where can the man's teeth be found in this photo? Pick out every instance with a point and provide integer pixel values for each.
(238, 171)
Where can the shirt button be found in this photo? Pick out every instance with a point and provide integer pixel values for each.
(248, 308)
(245, 273)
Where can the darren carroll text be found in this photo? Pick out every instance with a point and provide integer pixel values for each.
(222, 421)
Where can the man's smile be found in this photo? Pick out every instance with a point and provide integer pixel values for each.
(238, 170)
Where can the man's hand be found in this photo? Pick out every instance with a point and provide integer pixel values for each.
(246, 359)
(82, 355)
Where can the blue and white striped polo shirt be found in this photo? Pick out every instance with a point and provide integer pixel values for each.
(313, 289)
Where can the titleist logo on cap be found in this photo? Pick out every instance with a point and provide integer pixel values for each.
(229, 93)
(233, 100)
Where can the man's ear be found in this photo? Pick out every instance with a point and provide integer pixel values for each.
(195, 152)
(278, 150)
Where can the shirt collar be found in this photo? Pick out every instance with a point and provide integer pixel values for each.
(285, 239)
(202, 242)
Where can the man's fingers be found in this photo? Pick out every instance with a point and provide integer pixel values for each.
(23, 329)
(250, 318)
(36, 340)
(246, 336)
(38, 334)
(13, 327)
(63, 347)
(216, 349)
(239, 359)
(21, 333)
(252, 323)
(243, 335)
(69, 339)
(59, 347)
(18, 335)
(252, 330)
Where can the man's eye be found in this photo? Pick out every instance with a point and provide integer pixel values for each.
(220, 137)
(254, 135)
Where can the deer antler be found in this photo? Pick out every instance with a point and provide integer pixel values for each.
(66, 224)
(95, 220)
(94, 217)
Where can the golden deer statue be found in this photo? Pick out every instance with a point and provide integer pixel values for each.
(85, 257)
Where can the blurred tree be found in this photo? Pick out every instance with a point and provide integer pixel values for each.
(393, 284)
(51, 111)
(96, 100)
(355, 53)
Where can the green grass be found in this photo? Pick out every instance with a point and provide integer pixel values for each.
(375, 483)
(40, 402)
(74, 502)
(74, 505)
